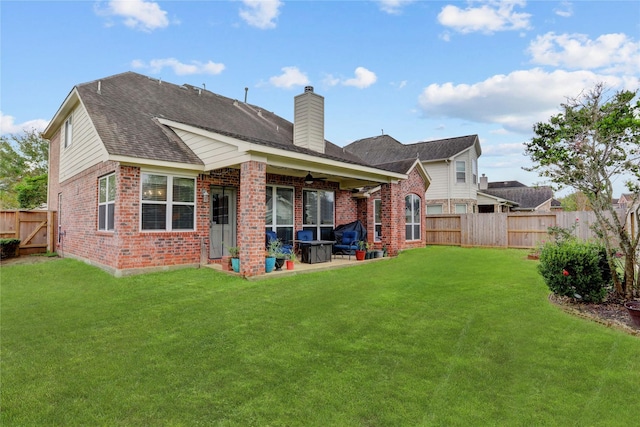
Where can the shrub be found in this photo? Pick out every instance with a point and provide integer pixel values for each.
(576, 269)
(8, 247)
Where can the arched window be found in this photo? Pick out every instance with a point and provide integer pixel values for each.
(412, 217)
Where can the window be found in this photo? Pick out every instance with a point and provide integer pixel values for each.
(106, 202)
(68, 131)
(280, 208)
(168, 202)
(377, 219)
(474, 171)
(412, 217)
(318, 207)
(434, 209)
(461, 208)
(461, 172)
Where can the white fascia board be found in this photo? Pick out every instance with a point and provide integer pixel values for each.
(285, 158)
(136, 161)
(63, 111)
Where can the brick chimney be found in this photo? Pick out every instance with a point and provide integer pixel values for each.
(308, 120)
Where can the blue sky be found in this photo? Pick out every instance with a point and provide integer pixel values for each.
(415, 70)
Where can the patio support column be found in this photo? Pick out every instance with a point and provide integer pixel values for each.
(251, 217)
(392, 218)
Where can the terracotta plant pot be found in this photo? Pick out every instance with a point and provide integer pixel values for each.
(289, 264)
(360, 255)
(633, 307)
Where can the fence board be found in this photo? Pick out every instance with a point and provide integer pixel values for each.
(34, 229)
(506, 230)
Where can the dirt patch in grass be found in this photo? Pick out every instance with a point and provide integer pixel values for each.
(610, 313)
(28, 259)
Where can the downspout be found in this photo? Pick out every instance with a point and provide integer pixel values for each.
(448, 187)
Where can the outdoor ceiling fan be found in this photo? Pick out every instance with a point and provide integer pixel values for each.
(309, 179)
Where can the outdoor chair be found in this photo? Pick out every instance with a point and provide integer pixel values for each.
(271, 235)
(303, 235)
(348, 245)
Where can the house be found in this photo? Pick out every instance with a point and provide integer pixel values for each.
(149, 175)
(629, 207)
(513, 196)
(451, 163)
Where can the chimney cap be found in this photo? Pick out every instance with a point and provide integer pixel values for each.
(308, 89)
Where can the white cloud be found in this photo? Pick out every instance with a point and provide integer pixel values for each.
(496, 150)
(393, 7)
(9, 126)
(363, 78)
(290, 77)
(609, 51)
(195, 67)
(138, 14)
(565, 10)
(261, 13)
(515, 101)
(489, 17)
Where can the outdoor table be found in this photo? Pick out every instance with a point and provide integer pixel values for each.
(315, 251)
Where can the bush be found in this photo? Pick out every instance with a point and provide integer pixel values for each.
(576, 269)
(8, 247)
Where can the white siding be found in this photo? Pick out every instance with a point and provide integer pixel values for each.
(85, 150)
(468, 190)
(308, 127)
(440, 181)
(214, 154)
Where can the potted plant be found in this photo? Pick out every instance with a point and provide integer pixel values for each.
(234, 251)
(291, 259)
(361, 252)
(633, 307)
(273, 248)
(276, 250)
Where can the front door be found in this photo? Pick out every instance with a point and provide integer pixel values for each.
(222, 224)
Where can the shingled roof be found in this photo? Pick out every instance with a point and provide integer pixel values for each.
(125, 109)
(527, 198)
(382, 149)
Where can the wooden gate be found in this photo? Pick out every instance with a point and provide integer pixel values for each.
(35, 229)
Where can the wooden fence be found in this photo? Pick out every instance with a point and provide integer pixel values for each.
(35, 229)
(506, 230)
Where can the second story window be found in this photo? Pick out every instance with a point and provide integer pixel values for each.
(68, 131)
(461, 172)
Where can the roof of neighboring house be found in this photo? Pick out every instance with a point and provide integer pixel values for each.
(125, 109)
(527, 198)
(505, 184)
(383, 149)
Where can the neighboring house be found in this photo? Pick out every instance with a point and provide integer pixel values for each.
(507, 196)
(629, 206)
(148, 175)
(451, 163)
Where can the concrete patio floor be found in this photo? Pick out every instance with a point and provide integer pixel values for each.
(303, 268)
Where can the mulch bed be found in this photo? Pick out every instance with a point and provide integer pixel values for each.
(610, 313)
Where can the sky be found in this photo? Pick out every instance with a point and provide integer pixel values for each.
(414, 70)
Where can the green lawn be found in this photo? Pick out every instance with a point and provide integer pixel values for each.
(438, 336)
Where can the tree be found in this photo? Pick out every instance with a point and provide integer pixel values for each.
(575, 201)
(593, 141)
(23, 156)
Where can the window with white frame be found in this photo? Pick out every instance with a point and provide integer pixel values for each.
(412, 217)
(461, 171)
(434, 209)
(318, 213)
(461, 208)
(106, 202)
(279, 212)
(377, 219)
(168, 202)
(68, 131)
(474, 171)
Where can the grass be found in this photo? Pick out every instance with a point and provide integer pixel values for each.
(438, 336)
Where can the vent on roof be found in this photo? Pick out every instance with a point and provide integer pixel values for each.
(308, 88)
